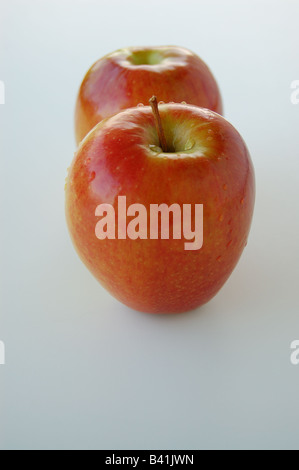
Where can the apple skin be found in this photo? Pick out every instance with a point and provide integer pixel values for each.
(119, 81)
(159, 276)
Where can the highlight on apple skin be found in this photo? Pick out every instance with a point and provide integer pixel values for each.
(130, 76)
(207, 163)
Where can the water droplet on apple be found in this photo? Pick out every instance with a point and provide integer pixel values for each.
(189, 144)
(221, 218)
(155, 148)
(225, 187)
(242, 201)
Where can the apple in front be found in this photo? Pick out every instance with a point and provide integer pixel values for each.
(206, 164)
(127, 77)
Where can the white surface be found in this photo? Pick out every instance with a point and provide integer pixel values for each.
(83, 371)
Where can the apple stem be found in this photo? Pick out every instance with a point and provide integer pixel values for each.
(154, 104)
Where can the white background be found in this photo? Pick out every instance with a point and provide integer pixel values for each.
(82, 371)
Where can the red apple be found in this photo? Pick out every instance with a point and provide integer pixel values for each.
(206, 162)
(131, 76)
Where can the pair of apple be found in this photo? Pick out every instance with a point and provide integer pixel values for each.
(176, 153)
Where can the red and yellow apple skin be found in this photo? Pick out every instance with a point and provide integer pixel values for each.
(209, 165)
(131, 76)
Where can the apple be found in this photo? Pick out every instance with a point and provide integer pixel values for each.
(199, 160)
(127, 77)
